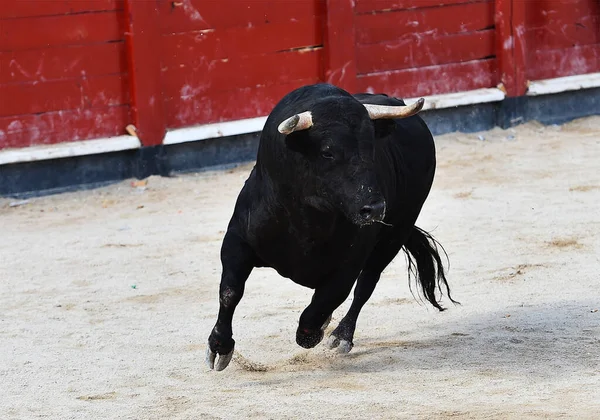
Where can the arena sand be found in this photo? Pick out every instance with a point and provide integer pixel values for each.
(107, 298)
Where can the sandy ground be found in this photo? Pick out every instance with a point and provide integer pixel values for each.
(107, 298)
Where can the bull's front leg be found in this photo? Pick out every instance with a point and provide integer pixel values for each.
(238, 260)
(342, 337)
(326, 299)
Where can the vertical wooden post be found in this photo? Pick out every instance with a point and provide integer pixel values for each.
(339, 45)
(510, 45)
(518, 29)
(143, 52)
(504, 44)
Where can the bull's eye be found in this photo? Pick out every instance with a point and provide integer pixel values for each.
(326, 154)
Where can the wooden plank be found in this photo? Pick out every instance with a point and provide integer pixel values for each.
(561, 33)
(370, 6)
(56, 127)
(564, 62)
(62, 63)
(421, 51)
(228, 105)
(30, 33)
(431, 80)
(142, 40)
(242, 72)
(194, 15)
(542, 13)
(82, 93)
(31, 8)
(340, 45)
(375, 28)
(191, 49)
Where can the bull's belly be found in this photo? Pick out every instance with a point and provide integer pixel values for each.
(312, 270)
(307, 275)
(310, 281)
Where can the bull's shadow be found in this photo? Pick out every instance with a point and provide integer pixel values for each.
(558, 338)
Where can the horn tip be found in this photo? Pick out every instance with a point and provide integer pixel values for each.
(288, 125)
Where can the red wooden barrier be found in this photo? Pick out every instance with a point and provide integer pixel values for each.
(63, 71)
(412, 48)
(339, 41)
(563, 38)
(76, 70)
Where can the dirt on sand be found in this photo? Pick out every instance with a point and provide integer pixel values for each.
(107, 298)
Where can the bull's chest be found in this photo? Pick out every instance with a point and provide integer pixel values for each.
(308, 257)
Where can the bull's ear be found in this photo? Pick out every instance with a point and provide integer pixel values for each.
(384, 128)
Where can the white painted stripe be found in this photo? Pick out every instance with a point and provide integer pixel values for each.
(564, 84)
(470, 97)
(253, 125)
(210, 131)
(63, 150)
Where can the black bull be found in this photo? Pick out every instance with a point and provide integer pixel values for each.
(333, 197)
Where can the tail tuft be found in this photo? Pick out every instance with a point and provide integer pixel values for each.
(425, 265)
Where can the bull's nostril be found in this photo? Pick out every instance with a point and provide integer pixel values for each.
(373, 211)
(366, 212)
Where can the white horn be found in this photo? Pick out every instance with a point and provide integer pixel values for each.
(297, 122)
(377, 112)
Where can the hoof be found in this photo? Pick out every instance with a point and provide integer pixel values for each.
(342, 346)
(326, 324)
(221, 362)
(308, 339)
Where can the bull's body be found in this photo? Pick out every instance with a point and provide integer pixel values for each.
(328, 205)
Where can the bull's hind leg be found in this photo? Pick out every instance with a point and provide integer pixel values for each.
(423, 255)
(342, 337)
(238, 260)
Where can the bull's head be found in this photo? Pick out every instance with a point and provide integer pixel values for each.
(339, 137)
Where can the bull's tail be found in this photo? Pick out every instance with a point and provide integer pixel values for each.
(425, 265)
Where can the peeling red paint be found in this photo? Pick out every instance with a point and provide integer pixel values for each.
(62, 126)
(64, 74)
(562, 38)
